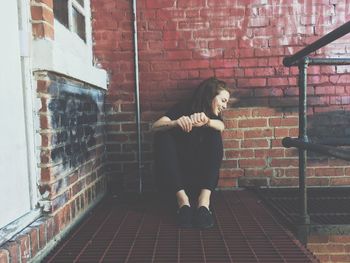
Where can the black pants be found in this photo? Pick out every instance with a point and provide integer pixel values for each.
(188, 161)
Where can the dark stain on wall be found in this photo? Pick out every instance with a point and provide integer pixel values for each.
(76, 114)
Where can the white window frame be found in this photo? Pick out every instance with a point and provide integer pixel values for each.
(85, 11)
(68, 54)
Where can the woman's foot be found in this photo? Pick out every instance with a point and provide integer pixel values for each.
(184, 213)
(184, 216)
(203, 218)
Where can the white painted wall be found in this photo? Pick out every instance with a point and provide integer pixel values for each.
(14, 174)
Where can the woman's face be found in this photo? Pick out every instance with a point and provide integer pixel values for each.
(219, 102)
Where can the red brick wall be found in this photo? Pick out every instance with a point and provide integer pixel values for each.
(330, 248)
(72, 123)
(182, 42)
(42, 18)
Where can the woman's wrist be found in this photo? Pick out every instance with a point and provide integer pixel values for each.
(208, 123)
(164, 125)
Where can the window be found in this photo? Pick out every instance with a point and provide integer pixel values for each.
(72, 14)
(70, 52)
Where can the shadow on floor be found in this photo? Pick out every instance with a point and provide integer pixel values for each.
(328, 208)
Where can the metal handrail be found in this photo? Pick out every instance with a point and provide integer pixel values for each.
(339, 141)
(330, 37)
(317, 148)
(329, 61)
(303, 61)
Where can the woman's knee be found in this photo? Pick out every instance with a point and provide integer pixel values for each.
(163, 141)
(212, 135)
(213, 142)
(162, 136)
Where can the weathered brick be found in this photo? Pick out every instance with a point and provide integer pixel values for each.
(195, 64)
(227, 182)
(284, 182)
(242, 112)
(42, 13)
(252, 181)
(159, 3)
(34, 241)
(282, 122)
(230, 164)
(25, 247)
(340, 258)
(42, 235)
(255, 82)
(284, 163)
(232, 134)
(43, 30)
(277, 82)
(14, 251)
(252, 163)
(263, 153)
(329, 171)
(48, 3)
(252, 123)
(242, 153)
(256, 143)
(4, 256)
(339, 181)
(344, 239)
(258, 133)
(191, 3)
(230, 173)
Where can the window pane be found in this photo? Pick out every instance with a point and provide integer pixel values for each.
(60, 10)
(78, 24)
(81, 2)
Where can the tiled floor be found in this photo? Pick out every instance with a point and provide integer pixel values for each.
(143, 230)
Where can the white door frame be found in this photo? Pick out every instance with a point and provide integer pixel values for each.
(31, 123)
(31, 117)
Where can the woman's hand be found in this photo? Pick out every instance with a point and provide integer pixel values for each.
(184, 123)
(199, 119)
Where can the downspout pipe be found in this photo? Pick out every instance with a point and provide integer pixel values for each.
(137, 99)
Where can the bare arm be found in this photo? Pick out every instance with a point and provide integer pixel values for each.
(165, 123)
(200, 119)
(216, 125)
(186, 123)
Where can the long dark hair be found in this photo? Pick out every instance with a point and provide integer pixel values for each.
(205, 93)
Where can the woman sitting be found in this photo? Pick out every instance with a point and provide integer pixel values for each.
(188, 151)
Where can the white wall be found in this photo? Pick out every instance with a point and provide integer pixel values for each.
(14, 174)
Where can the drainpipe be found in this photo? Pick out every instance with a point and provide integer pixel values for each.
(137, 98)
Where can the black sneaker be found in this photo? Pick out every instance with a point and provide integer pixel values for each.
(203, 218)
(184, 216)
